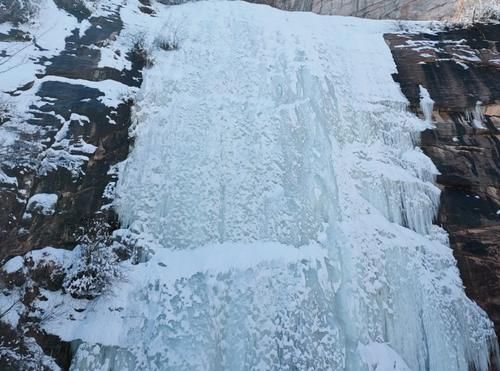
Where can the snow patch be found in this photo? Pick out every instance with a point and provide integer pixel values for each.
(381, 357)
(13, 265)
(42, 203)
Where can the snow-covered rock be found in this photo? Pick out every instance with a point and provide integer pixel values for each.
(42, 203)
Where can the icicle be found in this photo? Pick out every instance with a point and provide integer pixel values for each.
(426, 104)
(478, 116)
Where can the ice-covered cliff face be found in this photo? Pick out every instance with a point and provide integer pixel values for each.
(288, 216)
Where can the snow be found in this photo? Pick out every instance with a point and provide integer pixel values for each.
(13, 298)
(51, 27)
(54, 159)
(460, 52)
(19, 67)
(84, 27)
(22, 66)
(42, 203)
(79, 118)
(113, 91)
(61, 256)
(381, 357)
(5, 179)
(35, 357)
(13, 265)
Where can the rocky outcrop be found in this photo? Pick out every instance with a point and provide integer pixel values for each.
(393, 9)
(57, 174)
(75, 125)
(460, 69)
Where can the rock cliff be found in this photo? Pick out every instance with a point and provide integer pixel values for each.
(74, 140)
(460, 69)
(393, 9)
(57, 170)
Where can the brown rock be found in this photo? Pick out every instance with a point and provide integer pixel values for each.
(466, 154)
(393, 9)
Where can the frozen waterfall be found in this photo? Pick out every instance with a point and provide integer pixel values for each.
(287, 213)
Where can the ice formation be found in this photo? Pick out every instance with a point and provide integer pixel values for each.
(426, 104)
(288, 215)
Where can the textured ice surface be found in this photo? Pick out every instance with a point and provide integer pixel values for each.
(275, 180)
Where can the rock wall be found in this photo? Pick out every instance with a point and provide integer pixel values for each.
(460, 69)
(394, 9)
(57, 172)
(42, 168)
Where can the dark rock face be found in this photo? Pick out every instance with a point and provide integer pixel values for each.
(80, 191)
(53, 158)
(460, 68)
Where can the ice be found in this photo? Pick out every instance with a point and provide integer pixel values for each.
(426, 104)
(477, 116)
(284, 209)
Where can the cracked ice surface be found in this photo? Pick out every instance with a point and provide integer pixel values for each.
(275, 179)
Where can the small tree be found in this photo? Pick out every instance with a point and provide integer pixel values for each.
(98, 264)
(168, 40)
(5, 111)
(140, 53)
(169, 37)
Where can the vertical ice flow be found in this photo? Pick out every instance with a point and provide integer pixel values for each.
(275, 177)
(426, 104)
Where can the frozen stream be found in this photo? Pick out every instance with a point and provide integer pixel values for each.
(276, 181)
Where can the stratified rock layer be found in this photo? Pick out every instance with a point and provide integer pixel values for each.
(461, 71)
(35, 158)
(394, 9)
(46, 198)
